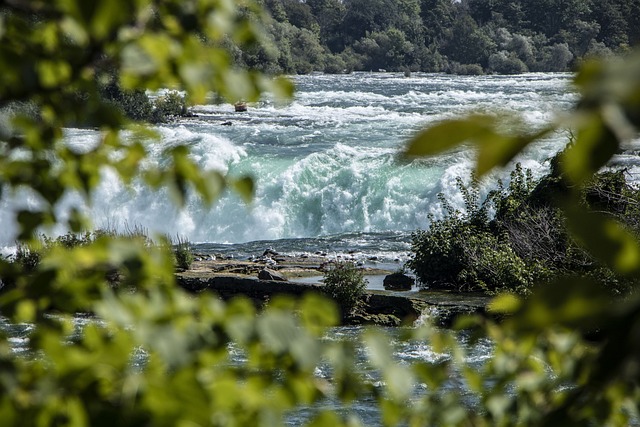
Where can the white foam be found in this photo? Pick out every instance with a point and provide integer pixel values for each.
(324, 164)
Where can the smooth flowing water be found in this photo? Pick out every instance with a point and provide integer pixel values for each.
(326, 164)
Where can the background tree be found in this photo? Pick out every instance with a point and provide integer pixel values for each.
(329, 15)
(467, 43)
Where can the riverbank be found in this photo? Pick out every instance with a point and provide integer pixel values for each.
(232, 278)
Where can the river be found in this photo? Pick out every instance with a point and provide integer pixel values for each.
(326, 164)
(327, 173)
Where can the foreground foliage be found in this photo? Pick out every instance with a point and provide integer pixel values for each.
(566, 356)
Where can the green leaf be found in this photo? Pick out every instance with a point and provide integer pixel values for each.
(594, 145)
(449, 134)
(318, 313)
(495, 148)
(29, 221)
(605, 238)
(245, 187)
(569, 302)
(498, 150)
(325, 419)
(504, 304)
(277, 331)
(378, 349)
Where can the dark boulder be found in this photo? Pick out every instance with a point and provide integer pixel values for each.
(398, 282)
(268, 274)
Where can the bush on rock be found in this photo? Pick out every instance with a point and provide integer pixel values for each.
(345, 283)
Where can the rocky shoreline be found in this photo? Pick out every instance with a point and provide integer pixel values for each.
(229, 278)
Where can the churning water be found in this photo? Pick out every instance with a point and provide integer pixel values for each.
(327, 172)
(326, 164)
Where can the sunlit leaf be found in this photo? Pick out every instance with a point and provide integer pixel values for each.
(593, 147)
(449, 134)
(504, 303)
(498, 150)
(318, 313)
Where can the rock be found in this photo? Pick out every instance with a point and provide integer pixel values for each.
(268, 274)
(398, 282)
(374, 319)
(227, 123)
(270, 252)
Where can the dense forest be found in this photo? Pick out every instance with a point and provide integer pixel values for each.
(462, 37)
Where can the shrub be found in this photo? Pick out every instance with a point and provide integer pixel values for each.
(27, 257)
(134, 104)
(526, 241)
(334, 64)
(454, 254)
(183, 254)
(345, 284)
(171, 104)
(506, 63)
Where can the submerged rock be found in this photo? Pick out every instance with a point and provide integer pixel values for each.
(398, 282)
(269, 274)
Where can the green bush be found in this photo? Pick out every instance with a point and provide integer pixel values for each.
(134, 104)
(171, 104)
(454, 254)
(334, 64)
(506, 63)
(27, 257)
(345, 283)
(183, 254)
(527, 240)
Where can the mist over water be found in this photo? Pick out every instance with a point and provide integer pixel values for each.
(326, 165)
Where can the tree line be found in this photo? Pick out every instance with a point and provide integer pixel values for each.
(462, 37)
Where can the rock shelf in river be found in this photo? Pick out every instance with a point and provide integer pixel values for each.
(231, 278)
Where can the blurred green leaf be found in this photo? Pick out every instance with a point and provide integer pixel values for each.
(605, 238)
(505, 304)
(498, 150)
(495, 147)
(568, 302)
(449, 134)
(318, 313)
(593, 147)
(245, 187)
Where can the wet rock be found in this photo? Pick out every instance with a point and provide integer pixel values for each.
(398, 282)
(374, 319)
(269, 274)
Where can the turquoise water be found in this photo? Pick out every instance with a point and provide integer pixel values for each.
(326, 164)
